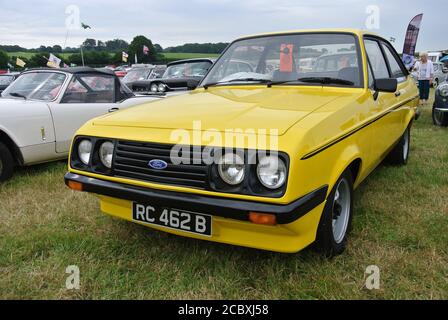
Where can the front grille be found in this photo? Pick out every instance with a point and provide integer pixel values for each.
(132, 159)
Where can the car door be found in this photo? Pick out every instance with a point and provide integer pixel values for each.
(385, 129)
(87, 96)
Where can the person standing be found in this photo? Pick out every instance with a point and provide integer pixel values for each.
(425, 74)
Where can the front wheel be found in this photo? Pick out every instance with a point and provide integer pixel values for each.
(6, 163)
(336, 220)
(439, 118)
(400, 153)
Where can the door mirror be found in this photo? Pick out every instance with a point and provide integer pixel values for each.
(386, 85)
(192, 84)
(445, 70)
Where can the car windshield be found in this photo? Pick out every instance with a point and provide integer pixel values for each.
(6, 80)
(44, 86)
(137, 74)
(189, 69)
(321, 58)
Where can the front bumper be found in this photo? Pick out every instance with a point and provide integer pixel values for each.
(297, 221)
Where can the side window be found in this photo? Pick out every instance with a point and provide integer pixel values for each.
(376, 58)
(394, 65)
(90, 89)
(75, 93)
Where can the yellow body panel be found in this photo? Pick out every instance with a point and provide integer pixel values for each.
(322, 129)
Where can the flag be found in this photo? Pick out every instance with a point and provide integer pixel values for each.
(145, 50)
(53, 61)
(85, 26)
(125, 57)
(410, 41)
(20, 63)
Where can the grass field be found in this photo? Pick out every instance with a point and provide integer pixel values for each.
(401, 225)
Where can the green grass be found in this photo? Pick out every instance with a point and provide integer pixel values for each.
(401, 225)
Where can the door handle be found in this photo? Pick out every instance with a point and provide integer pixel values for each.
(113, 110)
(398, 93)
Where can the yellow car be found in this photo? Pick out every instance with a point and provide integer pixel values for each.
(263, 154)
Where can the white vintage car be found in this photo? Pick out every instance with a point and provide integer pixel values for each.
(42, 109)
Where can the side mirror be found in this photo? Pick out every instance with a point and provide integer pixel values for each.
(385, 85)
(445, 70)
(192, 84)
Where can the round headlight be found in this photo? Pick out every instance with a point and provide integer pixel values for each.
(162, 87)
(84, 151)
(271, 172)
(231, 169)
(443, 90)
(154, 88)
(106, 153)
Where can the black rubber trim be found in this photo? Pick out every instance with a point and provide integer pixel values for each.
(223, 207)
(352, 132)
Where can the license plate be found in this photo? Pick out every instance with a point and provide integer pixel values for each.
(191, 222)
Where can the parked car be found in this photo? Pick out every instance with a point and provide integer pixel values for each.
(42, 109)
(181, 75)
(147, 72)
(440, 74)
(266, 159)
(440, 107)
(6, 79)
(122, 71)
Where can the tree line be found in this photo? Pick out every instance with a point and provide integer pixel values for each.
(99, 53)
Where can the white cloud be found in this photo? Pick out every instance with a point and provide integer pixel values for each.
(176, 22)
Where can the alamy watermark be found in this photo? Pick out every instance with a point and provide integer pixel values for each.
(373, 277)
(73, 281)
(210, 146)
(373, 20)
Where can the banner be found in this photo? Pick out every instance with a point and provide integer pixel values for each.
(53, 61)
(20, 63)
(410, 41)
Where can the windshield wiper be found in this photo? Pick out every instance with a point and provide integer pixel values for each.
(326, 80)
(17, 95)
(237, 80)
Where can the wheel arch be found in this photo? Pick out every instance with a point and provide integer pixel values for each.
(350, 159)
(12, 146)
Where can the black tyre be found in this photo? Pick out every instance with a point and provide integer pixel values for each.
(335, 223)
(400, 153)
(6, 163)
(439, 118)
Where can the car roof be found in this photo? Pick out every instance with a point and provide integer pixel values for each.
(10, 74)
(212, 60)
(358, 32)
(75, 70)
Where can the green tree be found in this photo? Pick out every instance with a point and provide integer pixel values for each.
(117, 44)
(158, 48)
(4, 59)
(136, 47)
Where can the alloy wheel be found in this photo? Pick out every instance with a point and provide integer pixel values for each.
(341, 210)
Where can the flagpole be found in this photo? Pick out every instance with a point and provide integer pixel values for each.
(82, 57)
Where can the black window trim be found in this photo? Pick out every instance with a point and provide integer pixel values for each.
(380, 41)
(356, 37)
(78, 77)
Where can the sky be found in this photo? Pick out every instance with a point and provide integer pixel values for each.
(175, 22)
